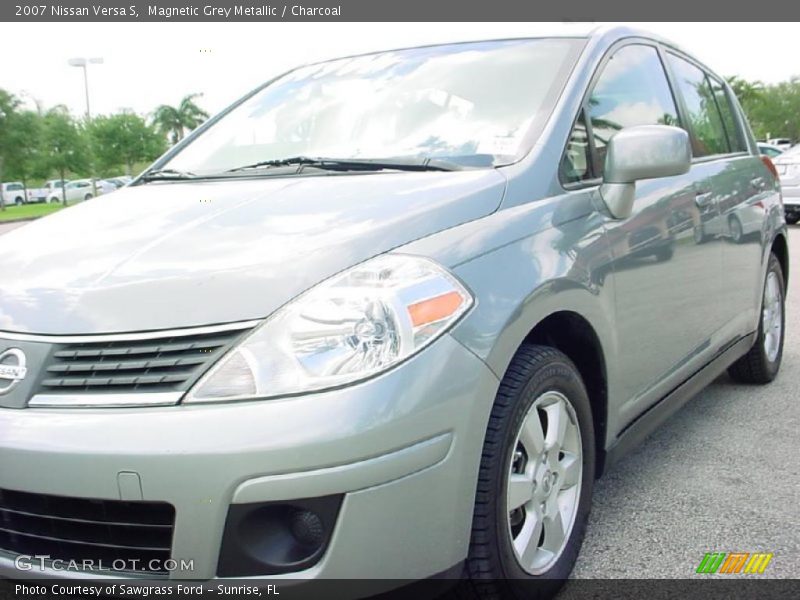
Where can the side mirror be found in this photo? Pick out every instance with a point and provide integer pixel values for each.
(645, 152)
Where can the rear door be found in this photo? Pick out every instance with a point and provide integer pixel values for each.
(734, 181)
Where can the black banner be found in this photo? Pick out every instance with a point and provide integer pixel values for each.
(386, 10)
(701, 587)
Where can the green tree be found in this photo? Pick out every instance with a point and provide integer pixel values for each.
(771, 109)
(122, 140)
(64, 144)
(25, 142)
(174, 121)
(8, 108)
(778, 114)
(749, 93)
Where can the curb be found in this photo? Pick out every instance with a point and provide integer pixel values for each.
(23, 220)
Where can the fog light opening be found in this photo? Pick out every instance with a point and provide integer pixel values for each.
(307, 528)
(276, 537)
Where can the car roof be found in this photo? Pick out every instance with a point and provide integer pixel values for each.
(604, 35)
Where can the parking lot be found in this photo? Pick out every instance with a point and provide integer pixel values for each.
(721, 475)
(6, 227)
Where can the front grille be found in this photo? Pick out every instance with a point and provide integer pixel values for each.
(77, 529)
(154, 365)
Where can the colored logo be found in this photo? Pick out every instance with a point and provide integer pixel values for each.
(731, 563)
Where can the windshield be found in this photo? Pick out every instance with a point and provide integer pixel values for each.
(470, 104)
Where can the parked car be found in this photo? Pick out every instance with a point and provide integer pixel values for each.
(74, 191)
(120, 181)
(387, 317)
(47, 191)
(769, 150)
(13, 193)
(782, 143)
(788, 166)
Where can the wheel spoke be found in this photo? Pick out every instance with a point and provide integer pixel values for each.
(520, 490)
(571, 465)
(532, 436)
(557, 421)
(527, 542)
(553, 529)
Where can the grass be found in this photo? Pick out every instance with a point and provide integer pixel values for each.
(27, 211)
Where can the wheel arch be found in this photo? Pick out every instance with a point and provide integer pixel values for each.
(781, 250)
(572, 334)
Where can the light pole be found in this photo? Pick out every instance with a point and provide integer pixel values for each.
(2, 199)
(84, 63)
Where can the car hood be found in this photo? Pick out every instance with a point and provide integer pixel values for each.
(172, 255)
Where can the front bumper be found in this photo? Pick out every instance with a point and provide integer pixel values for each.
(403, 448)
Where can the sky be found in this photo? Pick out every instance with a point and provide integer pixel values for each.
(147, 64)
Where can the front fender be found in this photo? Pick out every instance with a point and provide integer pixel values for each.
(525, 263)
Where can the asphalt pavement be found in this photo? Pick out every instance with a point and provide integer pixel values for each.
(722, 475)
(5, 227)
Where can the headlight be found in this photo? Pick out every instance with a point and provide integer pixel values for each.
(350, 327)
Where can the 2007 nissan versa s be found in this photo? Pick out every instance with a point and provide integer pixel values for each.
(387, 317)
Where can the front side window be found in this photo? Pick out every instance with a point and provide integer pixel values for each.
(471, 104)
(632, 90)
(576, 164)
(708, 132)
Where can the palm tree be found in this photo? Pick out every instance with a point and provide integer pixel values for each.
(174, 121)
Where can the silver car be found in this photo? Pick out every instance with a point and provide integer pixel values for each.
(387, 317)
(788, 166)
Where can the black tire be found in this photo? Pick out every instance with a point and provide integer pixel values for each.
(735, 227)
(18, 201)
(492, 568)
(87, 197)
(664, 253)
(792, 219)
(756, 366)
(699, 234)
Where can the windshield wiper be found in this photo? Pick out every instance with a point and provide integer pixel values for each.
(167, 175)
(354, 164)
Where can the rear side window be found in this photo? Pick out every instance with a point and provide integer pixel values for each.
(707, 130)
(727, 110)
(631, 90)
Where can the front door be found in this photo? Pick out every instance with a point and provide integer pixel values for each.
(667, 281)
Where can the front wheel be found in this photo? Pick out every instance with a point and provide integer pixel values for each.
(87, 197)
(762, 362)
(535, 483)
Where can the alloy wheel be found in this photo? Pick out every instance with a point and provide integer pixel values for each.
(544, 482)
(772, 316)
